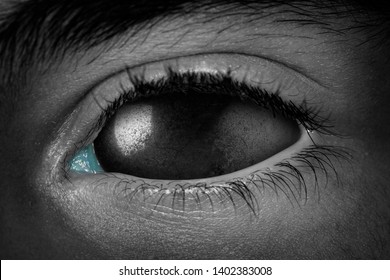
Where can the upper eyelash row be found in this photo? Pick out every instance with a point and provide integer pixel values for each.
(223, 83)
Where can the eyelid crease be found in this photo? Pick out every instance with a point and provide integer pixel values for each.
(220, 62)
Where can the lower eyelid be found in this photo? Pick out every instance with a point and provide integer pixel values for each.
(276, 175)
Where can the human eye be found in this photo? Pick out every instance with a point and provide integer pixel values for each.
(204, 133)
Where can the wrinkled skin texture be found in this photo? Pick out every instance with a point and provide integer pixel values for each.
(43, 216)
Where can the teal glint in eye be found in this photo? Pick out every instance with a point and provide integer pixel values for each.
(85, 161)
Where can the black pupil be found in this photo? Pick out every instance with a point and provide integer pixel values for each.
(192, 136)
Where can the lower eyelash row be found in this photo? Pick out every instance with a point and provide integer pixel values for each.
(287, 179)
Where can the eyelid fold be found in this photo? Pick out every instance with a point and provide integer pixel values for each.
(269, 75)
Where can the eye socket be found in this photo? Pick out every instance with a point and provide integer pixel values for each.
(242, 87)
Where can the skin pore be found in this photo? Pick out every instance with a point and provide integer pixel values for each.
(332, 55)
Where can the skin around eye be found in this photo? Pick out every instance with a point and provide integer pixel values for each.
(191, 135)
(253, 127)
(246, 130)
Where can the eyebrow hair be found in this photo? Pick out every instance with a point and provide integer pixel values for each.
(35, 30)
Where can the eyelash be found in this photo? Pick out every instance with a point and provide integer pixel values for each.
(318, 160)
(220, 83)
(288, 179)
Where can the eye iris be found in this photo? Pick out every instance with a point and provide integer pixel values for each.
(192, 136)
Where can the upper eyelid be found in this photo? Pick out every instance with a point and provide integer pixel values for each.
(275, 77)
(289, 80)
